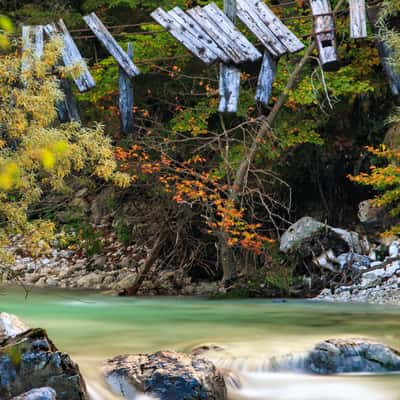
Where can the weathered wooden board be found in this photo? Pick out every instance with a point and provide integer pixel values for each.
(196, 30)
(325, 34)
(229, 88)
(266, 79)
(239, 41)
(26, 48)
(126, 98)
(230, 9)
(358, 19)
(260, 30)
(385, 53)
(32, 43)
(39, 41)
(179, 32)
(71, 56)
(67, 109)
(111, 45)
(233, 53)
(268, 28)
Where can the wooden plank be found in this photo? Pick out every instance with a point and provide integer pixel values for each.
(67, 109)
(26, 48)
(325, 34)
(385, 53)
(126, 98)
(254, 23)
(230, 9)
(213, 30)
(39, 41)
(249, 52)
(358, 19)
(111, 45)
(273, 23)
(71, 56)
(179, 32)
(229, 88)
(196, 30)
(266, 79)
(32, 45)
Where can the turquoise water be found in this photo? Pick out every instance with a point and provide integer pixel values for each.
(92, 327)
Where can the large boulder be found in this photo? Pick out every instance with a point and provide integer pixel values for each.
(11, 326)
(166, 375)
(38, 394)
(309, 237)
(337, 356)
(352, 355)
(30, 360)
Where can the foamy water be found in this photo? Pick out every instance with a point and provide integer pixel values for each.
(271, 386)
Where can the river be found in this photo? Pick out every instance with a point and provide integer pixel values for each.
(92, 327)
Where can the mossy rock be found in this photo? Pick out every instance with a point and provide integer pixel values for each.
(31, 360)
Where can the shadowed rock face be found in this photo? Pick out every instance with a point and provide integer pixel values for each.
(38, 394)
(166, 375)
(30, 360)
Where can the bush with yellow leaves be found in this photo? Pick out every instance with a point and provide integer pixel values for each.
(37, 154)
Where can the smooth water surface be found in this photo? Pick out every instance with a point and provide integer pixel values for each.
(92, 327)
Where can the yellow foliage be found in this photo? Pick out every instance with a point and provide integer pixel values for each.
(37, 154)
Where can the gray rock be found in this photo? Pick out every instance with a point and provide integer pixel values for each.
(311, 237)
(370, 278)
(38, 394)
(166, 375)
(368, 214)
(98, 262)
(90, 281)
(352, 355)
(394, 250)
(30, 360)
(356, 261)
(11, 326)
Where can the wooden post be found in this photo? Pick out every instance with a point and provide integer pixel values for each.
(67, 109)
(32, 42)
(229, 88)
(358, 19)
(229, 75)
(325, 34)
(126, 98)
(266, 79)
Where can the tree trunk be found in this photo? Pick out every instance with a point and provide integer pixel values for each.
(241, 174)
(150, 260)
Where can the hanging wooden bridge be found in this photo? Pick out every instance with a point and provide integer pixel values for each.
(212, 36)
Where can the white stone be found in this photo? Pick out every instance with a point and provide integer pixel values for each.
(11, 325)
(394, 250)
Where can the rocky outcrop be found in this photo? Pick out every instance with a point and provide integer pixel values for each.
(38, 394)
(309, 237)
(378, 280)
(166, 375)
(11, 326)
(30, 360)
